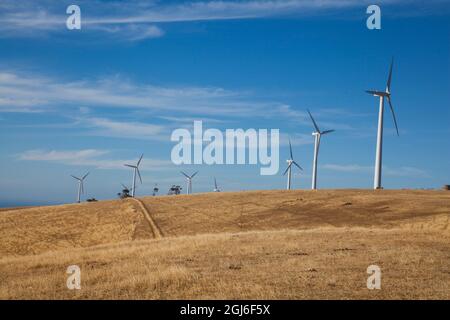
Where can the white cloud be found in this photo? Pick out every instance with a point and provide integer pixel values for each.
(347, 167)
(139, 17)
(131, 32)
(403, 171)
(34, 93)
(136, 130)
(53, 155)
(90, 158)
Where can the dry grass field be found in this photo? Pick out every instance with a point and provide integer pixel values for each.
(245, 245)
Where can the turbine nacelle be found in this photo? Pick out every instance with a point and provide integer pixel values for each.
(378, 93)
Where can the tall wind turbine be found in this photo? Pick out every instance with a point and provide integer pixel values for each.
(379, 151)
(189, 181)
(216, 188)
(290, 162)
(80, 186)
(135, 171)
(317, 135)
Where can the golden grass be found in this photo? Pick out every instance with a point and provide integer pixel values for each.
(249, 245)
(40, 229)
(299, 209)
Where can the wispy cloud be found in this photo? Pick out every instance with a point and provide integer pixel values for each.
(347, 167)
(35, 93)
(89, 158)
(403, 171)
(68, 155)
(137, 20)
(121, 129)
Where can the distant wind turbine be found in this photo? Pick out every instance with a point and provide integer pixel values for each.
(80, 186)
(216, 188)
(290, 162)
(135, 171)
(382, 95)
(317, 135)
(125, 188)
(189, 181)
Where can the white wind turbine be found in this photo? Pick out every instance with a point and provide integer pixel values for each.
(317, 135)
(135, 171)
(80, 186)
(216, 188)
(189, 181)
(290, 162)
(379, 151)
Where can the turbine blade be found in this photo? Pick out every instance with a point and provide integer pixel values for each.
(393, 115)
(139, 160)
(287, 168)
(194, 174)
(327, 131)
(139, 174)
(124, 186)
(298, 166)
(184, 174)
(75, 177)
(290, 149)
(314, 122)
(129, 165)
(215, 183)
(85, 176)
(388, 84)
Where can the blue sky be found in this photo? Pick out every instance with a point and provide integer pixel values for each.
(92, 99)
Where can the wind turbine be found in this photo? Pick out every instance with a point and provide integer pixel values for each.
(216, 188)
(189, 181)
(317, 135)
(290, 162)
(379, 151)
(80, 186)
(135, 170)
(126, 188)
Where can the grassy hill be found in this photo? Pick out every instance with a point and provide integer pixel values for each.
(259, 244)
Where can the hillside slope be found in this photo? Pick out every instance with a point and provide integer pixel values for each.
(299, 209)
(246, 245)
(40, 229)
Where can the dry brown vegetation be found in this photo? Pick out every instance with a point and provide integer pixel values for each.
(264, 244)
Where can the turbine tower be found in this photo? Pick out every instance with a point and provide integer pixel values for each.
(189, 181)
(80, 186)
(317, 135)
(379, 151)
(135, 171)
(216, 188)
(290, 162)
